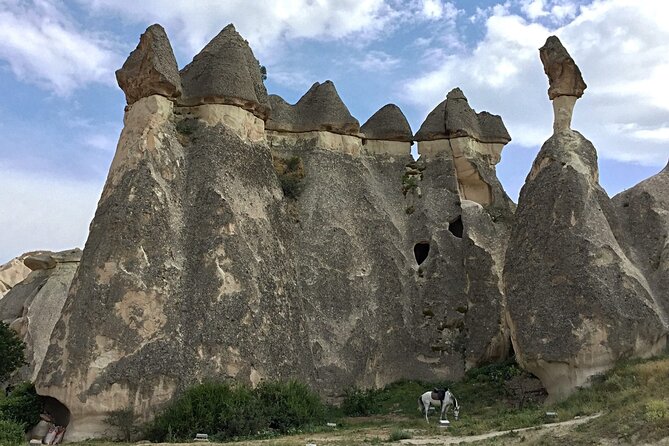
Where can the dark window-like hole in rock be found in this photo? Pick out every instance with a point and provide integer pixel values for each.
(456, 227)
(420, 251)
(58, 411)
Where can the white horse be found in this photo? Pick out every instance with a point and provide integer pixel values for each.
(438, 397)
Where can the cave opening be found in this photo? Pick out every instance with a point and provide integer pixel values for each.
(456, 227)
(59, 412)
(420, 251)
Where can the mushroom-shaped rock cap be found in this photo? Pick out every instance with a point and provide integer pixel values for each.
(389, 123)
(454, 118)
(564, 77)
(39, 261)
(225, 72)
(151, 68)
(320, 109)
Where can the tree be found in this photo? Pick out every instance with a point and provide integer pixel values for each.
(11, 352)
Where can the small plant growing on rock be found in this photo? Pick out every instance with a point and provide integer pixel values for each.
(11, 352)
(291, 173)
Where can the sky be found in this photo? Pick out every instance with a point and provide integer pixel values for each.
(61, 111)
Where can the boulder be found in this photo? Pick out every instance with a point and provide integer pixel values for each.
(151, 68)
(225, 72)
(320, 109)
(39, 261)
(388, 123)
(564, 77)
(577, 303)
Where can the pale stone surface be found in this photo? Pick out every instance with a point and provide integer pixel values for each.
(350, 145)
(12, 273)
(381, 147)
(243, 123)
(563, 108)
(39, 261)
(151, 68)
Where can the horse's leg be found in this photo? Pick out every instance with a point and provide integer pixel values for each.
(443, 409)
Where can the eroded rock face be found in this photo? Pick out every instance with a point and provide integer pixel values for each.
(474, 141)
(33, 306)
(577, 301)
(151, 68)
(320, 109)
(225, 72)
(12, 273)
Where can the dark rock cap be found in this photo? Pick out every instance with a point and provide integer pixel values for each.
(151, 68)
(225, 72)
(564, 77)
(320, 109)
(454, 118)
(388, 123)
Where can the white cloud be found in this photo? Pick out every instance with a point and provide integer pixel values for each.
(43, 45)
(621, 48)
(43, 213)
(377, 61)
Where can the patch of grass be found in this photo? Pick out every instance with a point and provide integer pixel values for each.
(399, 434)
(22, 406)
(11, 433)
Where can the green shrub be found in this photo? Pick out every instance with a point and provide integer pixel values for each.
(291, 186)
(361, 403)
(124, 422)
(23, 405)
(226, 411)
(11, 433)
(289, 405)
(656, 410)
(11, 351)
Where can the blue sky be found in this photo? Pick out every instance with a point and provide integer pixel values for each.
(61, 112)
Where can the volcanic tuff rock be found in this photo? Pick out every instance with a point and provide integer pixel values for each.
(320, 109)
(582, 293)
(565, 81)
(454, 118)
(198, 266)
(151, 68)
(225, 72)
(388, 123)
(11, 273)
(564, 77)
(33, 306)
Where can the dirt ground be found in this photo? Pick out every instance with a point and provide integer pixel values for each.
(371, 436)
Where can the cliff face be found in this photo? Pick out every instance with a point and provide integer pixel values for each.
(242, 237)
(221, 249)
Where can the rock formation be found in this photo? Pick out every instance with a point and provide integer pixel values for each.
(225, 72)
(12, 273)
(241, 237)
(578, 299)
(151, 68)
(199, 263)
(33, 306)
(565, 81)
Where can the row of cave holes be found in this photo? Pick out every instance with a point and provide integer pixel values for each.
(422, 249)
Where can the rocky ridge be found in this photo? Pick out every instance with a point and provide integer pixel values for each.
(205, 260)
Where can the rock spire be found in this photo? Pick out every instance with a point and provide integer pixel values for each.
(454, 117)
(565, 81)
(388, 123)
(320, 109)
(151, 68)
(226, 72)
